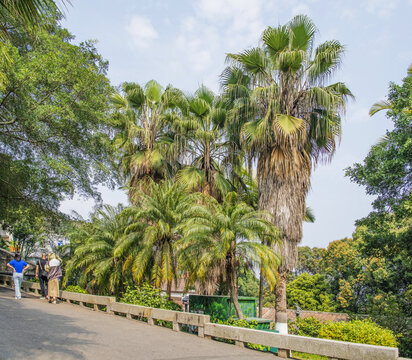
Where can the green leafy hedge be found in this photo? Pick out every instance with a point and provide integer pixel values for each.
(357, 331)
(146, 295)
(305, 326)
(75, 288)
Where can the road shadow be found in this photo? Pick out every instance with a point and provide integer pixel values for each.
(29, 333)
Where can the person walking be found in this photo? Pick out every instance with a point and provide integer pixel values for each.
(19, 266)
(41, 274)
(54, 274)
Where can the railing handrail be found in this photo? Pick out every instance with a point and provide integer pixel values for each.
(241, 336)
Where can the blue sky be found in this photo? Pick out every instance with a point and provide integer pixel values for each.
(184, 43)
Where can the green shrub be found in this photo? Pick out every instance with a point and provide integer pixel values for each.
(75, 288)
(309, 326)
(359, 331)
(147, 295)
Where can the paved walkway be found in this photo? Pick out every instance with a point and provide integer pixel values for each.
(32, 329)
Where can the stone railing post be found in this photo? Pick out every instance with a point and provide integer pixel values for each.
(284, 353)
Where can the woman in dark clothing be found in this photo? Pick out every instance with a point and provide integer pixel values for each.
(55, 273)
(41, 274)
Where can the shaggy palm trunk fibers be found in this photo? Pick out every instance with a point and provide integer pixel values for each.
(283, 194)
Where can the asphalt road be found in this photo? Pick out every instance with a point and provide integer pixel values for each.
(32, 329)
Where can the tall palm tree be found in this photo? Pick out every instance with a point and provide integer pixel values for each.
(153, 231)
(146, 139)
(218, 237)
(94, 260)
(294, 122)
(206, 144)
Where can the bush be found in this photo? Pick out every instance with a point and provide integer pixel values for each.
(75, 288)
(305, 327)
(147, 295)
(358, 331)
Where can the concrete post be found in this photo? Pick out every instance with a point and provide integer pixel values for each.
(240, 343)
(150, 321)
(95, 307)
(128, 316)
(201, 331)
(176, 326)
(109, 310)
(284, 353)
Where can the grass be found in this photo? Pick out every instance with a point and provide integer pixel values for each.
(304, 356)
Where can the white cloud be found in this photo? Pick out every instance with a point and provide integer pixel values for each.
(141, 30)
(216, 27)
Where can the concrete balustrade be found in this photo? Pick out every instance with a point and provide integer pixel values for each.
(331, 348)
(338, 350)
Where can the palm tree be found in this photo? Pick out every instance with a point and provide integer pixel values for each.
(149, 244)
(218, 237)
(206, 144)
(294, 122)
(94, 260)
(147, 142)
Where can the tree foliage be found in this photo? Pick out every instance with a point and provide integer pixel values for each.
(310, 292)
(53, 121)
(385, 234)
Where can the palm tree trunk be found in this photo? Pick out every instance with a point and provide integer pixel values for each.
(233, 289)
(282, 192)
(281, 304)
(169, 289)
(260, 293)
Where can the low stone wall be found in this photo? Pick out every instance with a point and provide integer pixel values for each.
(285, 343)
(269, 313)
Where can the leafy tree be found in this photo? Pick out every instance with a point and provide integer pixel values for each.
(294, 122)
(386, 169)
(31, 15)
(386, 232)
(310, 292)
(248, 283)
(53, 121)
(218, 237)
(309, 261)
(146, 139)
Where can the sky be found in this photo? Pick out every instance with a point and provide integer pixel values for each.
(184, 43)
